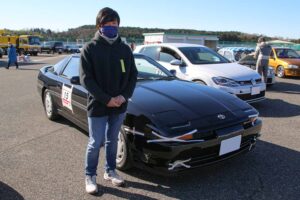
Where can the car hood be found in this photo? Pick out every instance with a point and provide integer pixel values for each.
(233, 71)
(291, 61)
(176, 103)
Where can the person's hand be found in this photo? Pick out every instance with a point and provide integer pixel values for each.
(120, 99)
(113, 103)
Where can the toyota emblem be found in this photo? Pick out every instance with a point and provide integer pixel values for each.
(220, 116)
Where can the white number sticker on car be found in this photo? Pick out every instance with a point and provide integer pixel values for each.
(66, 97)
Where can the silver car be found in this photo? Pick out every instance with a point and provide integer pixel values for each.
(250, 61)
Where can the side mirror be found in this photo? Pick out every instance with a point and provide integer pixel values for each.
(173, 72)
(176, 62)
(75, 80)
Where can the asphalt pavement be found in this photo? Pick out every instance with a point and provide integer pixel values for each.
(41, 159)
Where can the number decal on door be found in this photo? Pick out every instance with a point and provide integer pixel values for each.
(66, 97)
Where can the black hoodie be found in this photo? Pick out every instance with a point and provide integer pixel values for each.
(106, 71)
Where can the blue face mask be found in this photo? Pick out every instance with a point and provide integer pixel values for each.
(109, 31)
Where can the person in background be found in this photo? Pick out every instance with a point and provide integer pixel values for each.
(108, 72)
(12, 56)
(132, 46)
(262, 54)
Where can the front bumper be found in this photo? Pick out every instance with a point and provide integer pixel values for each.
(292, 72)
(245, 92)
(170, 158)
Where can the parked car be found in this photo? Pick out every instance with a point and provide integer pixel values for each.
(202, 65)
(171, 125)
(1, 52)
(285, 62)
(250, 61)
(71, 49)
(52, 47)
(234, 54)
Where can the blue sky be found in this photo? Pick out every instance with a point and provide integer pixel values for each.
(268, 17)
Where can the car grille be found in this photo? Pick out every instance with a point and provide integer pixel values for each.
(248, 82)
(208, 135)
(201, 157)
(246, 97)
(204, 135)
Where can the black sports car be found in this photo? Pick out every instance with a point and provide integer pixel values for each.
(171, 125)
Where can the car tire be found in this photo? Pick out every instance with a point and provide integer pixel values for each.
(200, 82)
(50, 109)
(280, 72)
(123, 159)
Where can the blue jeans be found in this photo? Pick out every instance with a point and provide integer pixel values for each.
(102, 130)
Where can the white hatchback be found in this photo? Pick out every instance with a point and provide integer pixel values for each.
(202, 65)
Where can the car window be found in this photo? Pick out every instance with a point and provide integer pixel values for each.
(148, 69)
(272, 54)
(152, 52)
(72, 68)
(167, 55)
(287, 53)
(202, 55)
(58, 44)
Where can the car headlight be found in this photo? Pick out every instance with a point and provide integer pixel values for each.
(225, 82)
(292, 66)
(252, 116)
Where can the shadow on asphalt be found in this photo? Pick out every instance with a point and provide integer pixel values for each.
(66, 122)
(277, 108)
(121, 194)
(284, 87)
(269, 171)
(6, 193)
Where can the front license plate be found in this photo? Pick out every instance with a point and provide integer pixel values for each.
(255, 90)
(230, 145)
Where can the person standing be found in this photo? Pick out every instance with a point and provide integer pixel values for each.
(12, 56)
(108, 72)
(262, 54)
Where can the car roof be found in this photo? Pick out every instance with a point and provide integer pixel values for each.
(237, 49)
(177, 45)
(281, 48)
(77, 55)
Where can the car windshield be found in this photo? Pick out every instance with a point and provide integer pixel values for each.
(202, 55)
(148, 69)
(58, 44)
(248, 58)
(34, 40)
(286, 53)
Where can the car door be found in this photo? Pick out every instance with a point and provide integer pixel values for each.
(272, 59)
(73, 97)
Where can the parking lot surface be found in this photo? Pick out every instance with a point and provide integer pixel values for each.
(41, 159)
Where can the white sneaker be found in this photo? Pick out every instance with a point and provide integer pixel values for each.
(91, 186)
(115, 179)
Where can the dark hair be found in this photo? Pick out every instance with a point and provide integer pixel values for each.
(106, 15)
(261, 39)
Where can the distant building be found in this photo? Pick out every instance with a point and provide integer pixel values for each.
(210, 41)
